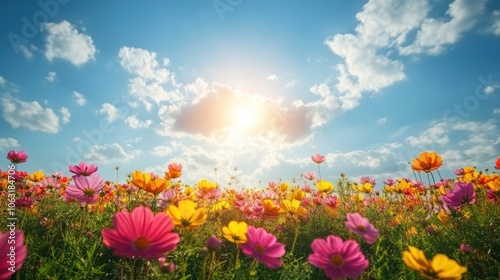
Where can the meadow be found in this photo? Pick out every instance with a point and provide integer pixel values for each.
(155, 227)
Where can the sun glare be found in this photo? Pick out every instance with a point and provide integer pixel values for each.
(245, 117)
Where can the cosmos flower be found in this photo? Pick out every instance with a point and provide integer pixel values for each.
(362, 227)
(324, 186)
(338, 258)
(427, 162)
(186, 215)
(236, 232)
(9, 265)
(85, 188)
(174, 171)
(310, 175)
(149, 182)
(264, 247)
(318, 158)
(440, 267)
(462, 194)
(83, 169)
(141, 234)
(18, 157)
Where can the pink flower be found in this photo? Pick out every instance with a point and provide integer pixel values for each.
(82, 169)
(11, 260)
(85, 188)
(213, 243)
(263, 247)
(166, 267)
(310, 175)
(18, 157)
(465, 248)
(337, 258)
(462, 194)
(362, 227)
(141, 234)
(367, 179)
(317, 158)
(389, 182)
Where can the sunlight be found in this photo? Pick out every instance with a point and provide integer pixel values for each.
(245, 117)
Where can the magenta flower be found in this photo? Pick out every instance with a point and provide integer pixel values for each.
(141, 234)
(318, 158)
(263, 247)
(362, 227)
(337, 258)
(85, 188)
(82, 169)
(389, 182)
(213, 243)
(462, 194)
(18, 157)
(11, 260)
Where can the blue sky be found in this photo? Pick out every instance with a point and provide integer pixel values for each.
(252, 88)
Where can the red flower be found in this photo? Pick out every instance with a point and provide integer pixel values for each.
(497, 165)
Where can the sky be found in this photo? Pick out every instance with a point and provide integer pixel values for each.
(244, 92)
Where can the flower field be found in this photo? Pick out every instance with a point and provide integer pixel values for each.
(155, 227)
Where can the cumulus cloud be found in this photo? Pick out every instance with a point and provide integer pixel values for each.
(79, 98)
(30, 115)
(161, 151)
(8, 143)
(110, 112)
(133, 122)
(65, 115)
(110, 153)
(150, 79)
(64, 41)
(436, 33)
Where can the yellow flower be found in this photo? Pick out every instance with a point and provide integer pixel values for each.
(411, 231)
(206, 186)
(37, 176)
(187, 216)
(366, 188)
(427, 162)
(324, 186)
(221, 205)
(494, 184)
(236, 232)
(299, 194)
(270, 208)
(440, 267)
(292, 206)
(283, 186)
(443, 217)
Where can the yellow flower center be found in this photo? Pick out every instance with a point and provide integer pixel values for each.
(88, 192)
(259, 249)
(361, 228)
(337, 260)
(141, 243)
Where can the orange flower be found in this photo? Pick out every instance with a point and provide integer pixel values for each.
(145, 181)
(427, 162)
(174, 171)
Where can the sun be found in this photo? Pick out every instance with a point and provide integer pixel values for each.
(245, 117)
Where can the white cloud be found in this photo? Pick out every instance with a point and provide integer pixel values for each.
(435, 33)
(381, 120)
(77, 139)
(291, 84)
(495, 26)
(8, 143)
(30, 115)
(272, 77)
(133, 122)
(199, 88)
(51, 76)
(25, 51)
(79, 98)
(109, 111)
(496, 111)
(437, 133)
(66, 42)
(110, 153)
(65, 115)
(161, 151)
(143, 64)
(2, 81)
(491, 89)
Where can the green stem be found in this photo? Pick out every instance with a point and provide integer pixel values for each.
(295, 238)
